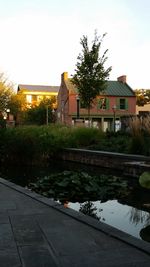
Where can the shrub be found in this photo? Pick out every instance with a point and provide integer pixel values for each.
(31, 144)
(85, 137)
(140, 132)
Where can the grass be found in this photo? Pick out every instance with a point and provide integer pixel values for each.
(140, 133)
(31, 144)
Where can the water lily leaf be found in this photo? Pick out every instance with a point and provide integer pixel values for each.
(63, 183)
(45, 194)
(144, 180)
(51, 192)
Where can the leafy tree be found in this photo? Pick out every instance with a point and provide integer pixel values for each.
(88, 208)
(141, 100)
(142, 96)
(17, 106)
(6, 90)
(39, 114)
(90, 75)
(148, 95)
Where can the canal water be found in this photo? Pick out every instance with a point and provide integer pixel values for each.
(131, 220)
(131, 214)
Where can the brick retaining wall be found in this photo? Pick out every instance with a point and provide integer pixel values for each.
(132, 165)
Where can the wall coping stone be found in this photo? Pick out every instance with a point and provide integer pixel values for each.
(134, 157)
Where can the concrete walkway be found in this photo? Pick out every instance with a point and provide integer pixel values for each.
(38, 232)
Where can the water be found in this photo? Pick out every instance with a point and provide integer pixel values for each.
(131, 214)
(123, 217)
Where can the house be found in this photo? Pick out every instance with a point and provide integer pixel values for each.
(116, 101)
(143, 109)
(35, 93)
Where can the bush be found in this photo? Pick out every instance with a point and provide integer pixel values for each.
(31, 144)
(85, 137)
(140, 133)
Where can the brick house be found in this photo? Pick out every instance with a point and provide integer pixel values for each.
(35, 93)
(118, 100)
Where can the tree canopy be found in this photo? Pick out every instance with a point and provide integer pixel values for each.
(6, 90)
(90, 73)
(142, 96)
(42, 113)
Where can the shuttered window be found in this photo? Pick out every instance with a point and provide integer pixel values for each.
(123, 103)
(103, 103)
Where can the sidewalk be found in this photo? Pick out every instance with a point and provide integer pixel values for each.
(38, 232)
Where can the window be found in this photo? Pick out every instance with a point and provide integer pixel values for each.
(29, 98)
(34, 98)
(123, 103)
(103, 103)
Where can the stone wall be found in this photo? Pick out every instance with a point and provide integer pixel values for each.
(129, 164)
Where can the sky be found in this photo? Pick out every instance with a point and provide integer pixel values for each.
(40, 39)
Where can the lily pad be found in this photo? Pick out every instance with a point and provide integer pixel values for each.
(144, 180)
(80, 186)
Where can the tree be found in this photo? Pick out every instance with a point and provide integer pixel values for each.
(141, 100)
(17, 106)
(42, 113)
(142, 96)
(90, 75)
(6, 90)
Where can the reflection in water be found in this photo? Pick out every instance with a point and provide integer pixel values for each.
(137, 216)
(88, 208)
(122, 217)
(145, 233)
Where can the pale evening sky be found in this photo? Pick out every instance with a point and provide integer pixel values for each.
(40, 39)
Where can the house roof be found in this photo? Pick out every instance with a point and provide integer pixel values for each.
(70, 86)
(113, 88)
(38, 88)
(116, 88)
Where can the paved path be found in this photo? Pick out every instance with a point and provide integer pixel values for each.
(38, 232)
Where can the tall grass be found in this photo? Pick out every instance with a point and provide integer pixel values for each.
(146, 124)
(139, 128)
(32, 144)
(37, 144)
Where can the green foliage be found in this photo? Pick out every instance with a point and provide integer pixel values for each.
(39, 114)
(90, 75)
(139, 129)
(6, 90)
(142, 97)
(85, 137)
(144, 180)
(80, 186)
(137, 145)
(36, 115)
(30, 144)
(113, 142)
(89, 209)
(26, 144)
(16, 103)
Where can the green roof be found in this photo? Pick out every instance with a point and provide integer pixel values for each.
(113, 88)
(116, 88)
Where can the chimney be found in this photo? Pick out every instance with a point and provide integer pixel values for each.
(122, 79)
(64, 76)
